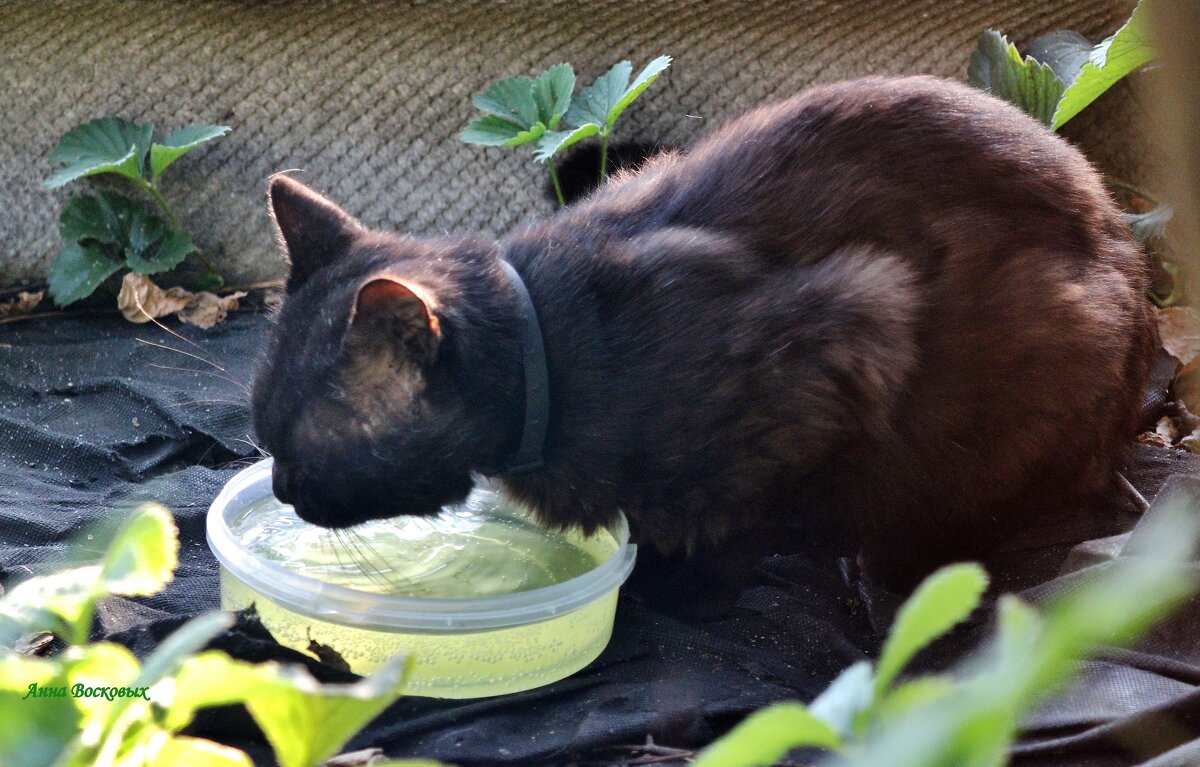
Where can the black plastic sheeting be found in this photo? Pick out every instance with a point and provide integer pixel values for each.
(96, 414)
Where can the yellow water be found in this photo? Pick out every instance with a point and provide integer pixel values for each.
(460, 555)
(472, 551)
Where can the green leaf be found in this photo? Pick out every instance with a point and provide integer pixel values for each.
(640, 83)
(1151, 224)
(37, 730)
(998, 68)
(91, 217)
(141, 558)
(180, 751)
(154, 247)
(490, 130)
(106, 145)
(210, 281)
(604, 100)
(182, 643)
(304, 721)
(127, 230)
(552, 93)
(942, 601)
(1116, 56)
(765, 736)
(511, 100)
(1065, 52)
(78, 270)
(178, 143)
(553, 142)
(60, 603)
(915, 693)
(846, 698)
(593, 103)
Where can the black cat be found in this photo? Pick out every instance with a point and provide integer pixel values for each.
(897, 306)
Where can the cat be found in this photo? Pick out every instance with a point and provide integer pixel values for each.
(896, 307)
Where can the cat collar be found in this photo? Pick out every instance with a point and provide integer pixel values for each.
(530, 450)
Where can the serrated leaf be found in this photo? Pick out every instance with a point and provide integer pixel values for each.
(846, 698)
(511, 100)
(594, 102)
(154, 247)
(1129, 48)
(1151, 224)
(78, 270)
(178, 143)
(765, 736)
(142, 556)
(552, 93)
(640, 83)
(553, 142)
(942, 601)
(127, 230)
(998, 68)
(106, 145)
(490, 130)
(604, 100)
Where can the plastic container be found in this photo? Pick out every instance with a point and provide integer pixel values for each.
(464, 646)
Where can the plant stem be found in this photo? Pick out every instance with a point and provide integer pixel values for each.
(557, 186)
(603, 157)
(152, 189)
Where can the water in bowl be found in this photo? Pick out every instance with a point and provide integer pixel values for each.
(482, 548)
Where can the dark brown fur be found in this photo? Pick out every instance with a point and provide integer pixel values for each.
(899, 305)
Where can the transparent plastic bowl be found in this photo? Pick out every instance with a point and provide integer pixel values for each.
(464, 647)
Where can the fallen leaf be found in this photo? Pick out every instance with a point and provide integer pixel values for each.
(207, 309)
(23, 304)
(1179, 328)
(140, 300)
(1167, 429)
(1153, 438)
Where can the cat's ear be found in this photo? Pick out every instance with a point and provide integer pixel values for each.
(397, 314)
(314, 230)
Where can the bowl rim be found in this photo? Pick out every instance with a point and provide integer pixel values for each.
(363, 609)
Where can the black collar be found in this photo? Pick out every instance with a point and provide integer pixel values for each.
(530, 450)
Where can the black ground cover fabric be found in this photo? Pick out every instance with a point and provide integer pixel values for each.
(96, 414)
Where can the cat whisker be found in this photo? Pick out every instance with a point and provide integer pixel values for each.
(244, 387)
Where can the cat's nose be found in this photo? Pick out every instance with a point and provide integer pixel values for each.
(283, 481)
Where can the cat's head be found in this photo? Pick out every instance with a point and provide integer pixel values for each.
(384, 385)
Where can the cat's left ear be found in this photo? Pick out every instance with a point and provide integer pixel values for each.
(397, 313)
(314, 230)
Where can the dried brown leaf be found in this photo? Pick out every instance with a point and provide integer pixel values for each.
(23, 304)
(140, 300)
(207, 309)
(1153, 438)
(1179, 327)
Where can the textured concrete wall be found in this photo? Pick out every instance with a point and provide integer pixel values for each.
(368, 97)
